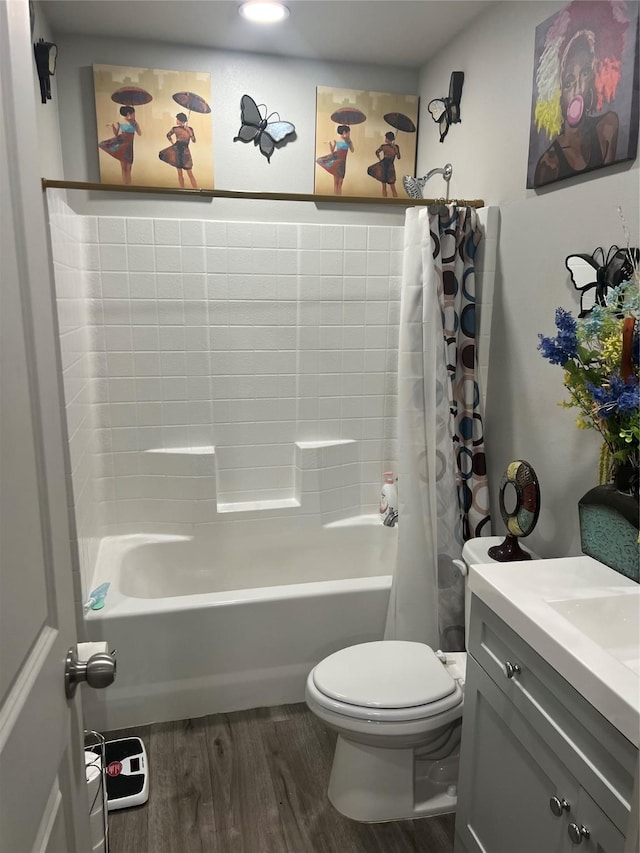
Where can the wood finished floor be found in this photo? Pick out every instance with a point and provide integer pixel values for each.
(253, 782)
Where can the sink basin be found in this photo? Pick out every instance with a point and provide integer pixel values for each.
(611, 621)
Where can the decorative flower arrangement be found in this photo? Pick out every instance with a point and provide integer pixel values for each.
(600, 357)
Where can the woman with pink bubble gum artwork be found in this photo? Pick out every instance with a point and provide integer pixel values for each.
(587, 73)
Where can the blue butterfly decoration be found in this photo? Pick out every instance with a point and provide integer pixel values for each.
(594, 274)
(259, 128)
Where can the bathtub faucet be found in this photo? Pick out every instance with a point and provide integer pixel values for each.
(391, 519)
(97, 597)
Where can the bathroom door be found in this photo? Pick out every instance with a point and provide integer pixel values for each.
(43, 796)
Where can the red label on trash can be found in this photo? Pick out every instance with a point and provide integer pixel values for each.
(114, 768)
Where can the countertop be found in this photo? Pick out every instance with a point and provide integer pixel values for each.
(583, 618)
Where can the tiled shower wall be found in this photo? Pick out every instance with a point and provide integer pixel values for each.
(240, 339)
(75, 289)
(236, 370)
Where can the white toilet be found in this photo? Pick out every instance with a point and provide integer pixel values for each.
(397, 709)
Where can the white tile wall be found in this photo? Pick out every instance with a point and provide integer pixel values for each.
(249, 337)
(243, 337)
(77, 291)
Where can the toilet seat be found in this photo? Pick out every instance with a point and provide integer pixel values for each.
(389, 680)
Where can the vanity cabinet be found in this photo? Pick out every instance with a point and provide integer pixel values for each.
(541, 770)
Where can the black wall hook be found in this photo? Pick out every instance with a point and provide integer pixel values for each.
(43, 65)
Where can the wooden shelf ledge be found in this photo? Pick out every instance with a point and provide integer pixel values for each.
(205, 193)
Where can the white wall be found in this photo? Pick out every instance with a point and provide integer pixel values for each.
(285, 85)
(50, 149)
(488, 150)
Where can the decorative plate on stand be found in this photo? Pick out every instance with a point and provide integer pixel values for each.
(518, 480)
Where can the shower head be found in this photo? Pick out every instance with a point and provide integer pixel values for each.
(414, 186)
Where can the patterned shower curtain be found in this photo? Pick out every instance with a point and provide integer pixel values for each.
(442, 486)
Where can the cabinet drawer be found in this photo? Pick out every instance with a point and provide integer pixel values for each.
(591, 748)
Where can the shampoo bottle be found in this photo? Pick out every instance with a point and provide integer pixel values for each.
(388, 497)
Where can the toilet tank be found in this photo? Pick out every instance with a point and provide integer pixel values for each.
(476, 551)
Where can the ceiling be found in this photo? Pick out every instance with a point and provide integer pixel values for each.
(403, 33)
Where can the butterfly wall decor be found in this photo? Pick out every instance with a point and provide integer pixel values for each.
(446, 111)
(260, 128)
(594, 274)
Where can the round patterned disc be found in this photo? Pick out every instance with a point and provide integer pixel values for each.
(522, 519)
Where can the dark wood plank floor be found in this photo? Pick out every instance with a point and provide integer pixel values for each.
(253, 782)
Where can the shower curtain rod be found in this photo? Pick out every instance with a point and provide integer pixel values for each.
(319, 199)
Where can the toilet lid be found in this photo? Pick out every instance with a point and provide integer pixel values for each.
(384, 674)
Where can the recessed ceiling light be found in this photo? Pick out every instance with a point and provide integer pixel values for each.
(264, 11)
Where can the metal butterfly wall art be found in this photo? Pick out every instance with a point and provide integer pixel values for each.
(594, 274)
(260, 127)
(446, 111)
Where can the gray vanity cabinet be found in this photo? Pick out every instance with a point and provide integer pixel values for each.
(541, 771)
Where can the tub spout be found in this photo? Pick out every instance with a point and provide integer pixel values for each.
(391, 519)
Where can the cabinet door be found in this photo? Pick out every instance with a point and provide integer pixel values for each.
(507, 777)
(603, 837)
(593, 751)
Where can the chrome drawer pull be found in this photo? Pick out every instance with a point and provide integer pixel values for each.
(577, 833)
(558, 806)
(512, 669)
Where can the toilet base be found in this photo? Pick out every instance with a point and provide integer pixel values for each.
(374, 785)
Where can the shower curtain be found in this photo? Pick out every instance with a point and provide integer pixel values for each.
(442, 486)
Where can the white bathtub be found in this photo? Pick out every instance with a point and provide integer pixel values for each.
(235, 620)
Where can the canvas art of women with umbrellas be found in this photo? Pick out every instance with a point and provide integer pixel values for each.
(153, 118)
(354, 127)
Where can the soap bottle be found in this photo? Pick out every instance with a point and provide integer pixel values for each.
(388, 497)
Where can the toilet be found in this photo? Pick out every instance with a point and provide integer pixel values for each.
(397, 709)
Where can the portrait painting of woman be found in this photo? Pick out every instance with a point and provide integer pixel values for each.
(585, 109)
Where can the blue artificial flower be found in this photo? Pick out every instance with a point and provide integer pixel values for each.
(592, 323)
(564, 346)
(625, 296)
(617, 396)
(629, 400)
(613, 294)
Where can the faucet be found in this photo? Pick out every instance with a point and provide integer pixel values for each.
(391, 519)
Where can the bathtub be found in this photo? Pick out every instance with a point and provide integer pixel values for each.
(234, 619)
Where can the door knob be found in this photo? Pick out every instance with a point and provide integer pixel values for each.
(99, 671)
(512, 669)
(558, 805)
(577, 833)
